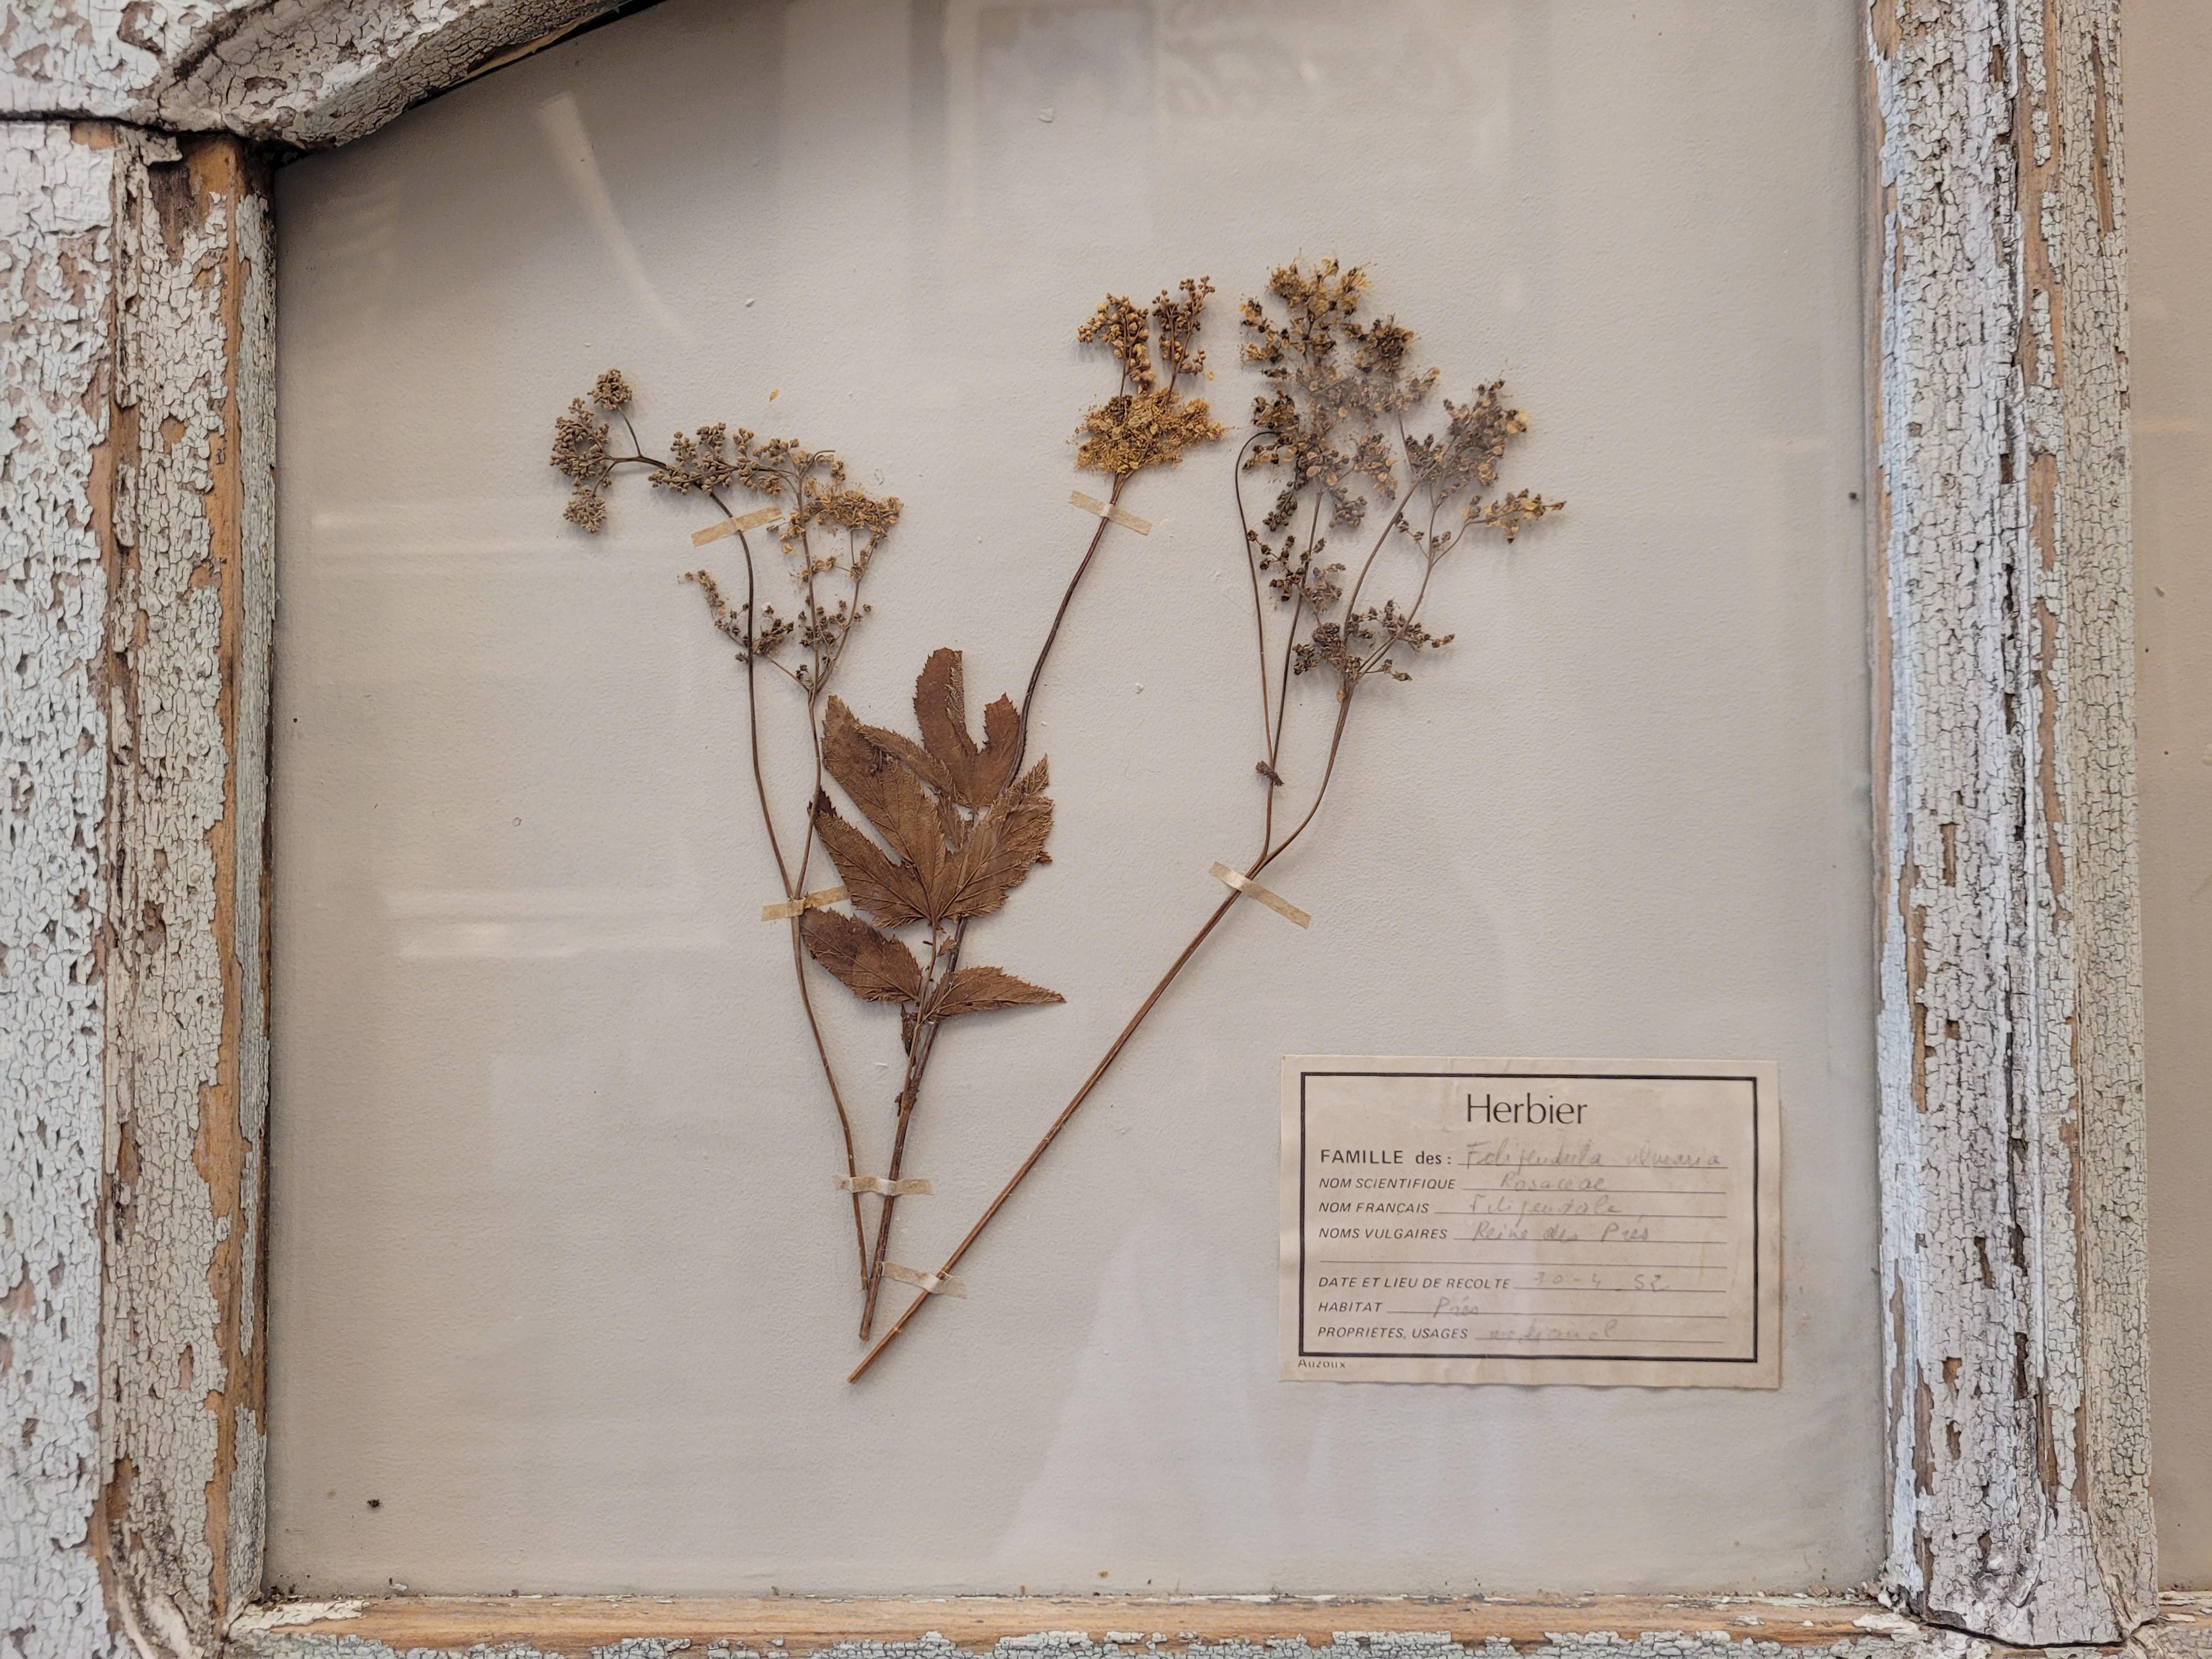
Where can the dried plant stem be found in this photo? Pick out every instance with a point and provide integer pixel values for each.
(917, 1062)
(1267, 727)
(1274, 699)
(1051, 633)
(1050, 1135)
(875, 1267)
(795, 882)
(1325, 424)
(1283, 687)
(926, 1040)
(1113, 1053)
(812, 484)
(836, 1099)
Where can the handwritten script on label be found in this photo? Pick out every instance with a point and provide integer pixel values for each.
(1531, 1221)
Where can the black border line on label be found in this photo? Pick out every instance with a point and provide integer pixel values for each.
(1758, 1303)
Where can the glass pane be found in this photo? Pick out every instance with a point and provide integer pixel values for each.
(561, 1294)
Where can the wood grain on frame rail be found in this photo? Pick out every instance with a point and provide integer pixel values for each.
(802, 1624)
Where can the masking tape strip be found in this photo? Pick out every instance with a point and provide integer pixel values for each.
(1251, 889)
(928, 1284)
(714, 533)
(813, 901)
(1126, 520)
(888, 1188)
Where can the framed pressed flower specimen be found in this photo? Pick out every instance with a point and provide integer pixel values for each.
(959, 825)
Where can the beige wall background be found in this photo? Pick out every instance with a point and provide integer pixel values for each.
(560, 1296)
(2168, 66)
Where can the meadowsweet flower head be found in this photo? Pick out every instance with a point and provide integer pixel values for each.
(1148, 423)
(1332, 430)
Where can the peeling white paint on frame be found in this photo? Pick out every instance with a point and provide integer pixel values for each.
(309, 73)
(2013, 1254)
(140, 594)
(56, 260)
(192, 583)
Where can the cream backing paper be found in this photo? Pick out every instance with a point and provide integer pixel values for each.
(1608, 1222)
(551, 1214)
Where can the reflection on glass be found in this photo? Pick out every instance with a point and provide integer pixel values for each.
(556, 1274)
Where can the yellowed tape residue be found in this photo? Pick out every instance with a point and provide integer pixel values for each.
(714, 533)
(889, 1188)
(931, 1284)
(1252, 889)
(1110, 513)
(813, 901)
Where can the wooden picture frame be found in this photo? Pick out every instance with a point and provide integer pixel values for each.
(136, 505)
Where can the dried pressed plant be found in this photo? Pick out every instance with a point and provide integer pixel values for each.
(962, 831)
(829, 533)
(988, 812)
(961, 823)
(1331, 434)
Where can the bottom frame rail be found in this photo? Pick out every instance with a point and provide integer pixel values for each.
(1130, 1627)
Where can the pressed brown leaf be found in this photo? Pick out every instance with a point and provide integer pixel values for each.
(873, 966)
(900, 748)
(1002, 845)
(949, 821)
(940, 714)
(881, 786)
(1002, 733)
(888, 891)
(911, 755)
(979, 990)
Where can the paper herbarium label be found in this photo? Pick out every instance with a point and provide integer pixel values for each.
(1531, 1221)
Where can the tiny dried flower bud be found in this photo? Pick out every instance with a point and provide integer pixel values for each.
(586, 508)
(610, 391)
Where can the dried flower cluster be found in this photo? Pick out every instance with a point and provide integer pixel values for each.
(1334, 432)
(829, 534)
(945, 826)
(1146, 422)
(814, 482)
(1339, 383)
(1361, 645)
(580, 452)
(835, 507)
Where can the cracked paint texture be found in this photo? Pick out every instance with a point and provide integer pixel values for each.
(305, 72)
(56, 295)
(2011, 1025)
(135, 503)
(191, 591)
